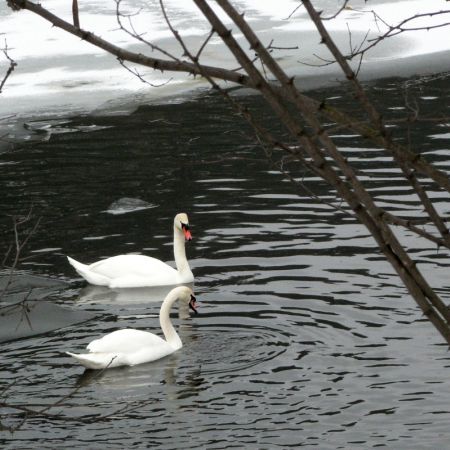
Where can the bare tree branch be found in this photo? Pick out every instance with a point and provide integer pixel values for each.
(30, 410)
(355, 195)
(401, 27)
(9, 71)
(17, 246)
(75, 15)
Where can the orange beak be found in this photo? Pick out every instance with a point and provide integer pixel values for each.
(187, 232)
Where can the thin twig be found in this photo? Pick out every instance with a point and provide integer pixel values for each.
(141, 78)
(9, 71)
(18, 245)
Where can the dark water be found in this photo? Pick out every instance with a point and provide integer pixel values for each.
(305, 336)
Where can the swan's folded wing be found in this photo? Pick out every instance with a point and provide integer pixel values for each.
(137, 265)
(125, 341)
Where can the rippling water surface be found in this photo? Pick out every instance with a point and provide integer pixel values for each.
(305, 336)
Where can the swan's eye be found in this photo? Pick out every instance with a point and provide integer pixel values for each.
(184, 226)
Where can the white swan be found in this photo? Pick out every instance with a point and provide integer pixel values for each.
(128, 271)
(129, 347)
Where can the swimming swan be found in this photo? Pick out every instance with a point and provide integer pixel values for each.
(129, 347)
(128, 271)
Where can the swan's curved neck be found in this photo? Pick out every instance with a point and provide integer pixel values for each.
(179, 251)
(170, 334)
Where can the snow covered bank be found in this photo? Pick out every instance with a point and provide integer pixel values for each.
(58, 74)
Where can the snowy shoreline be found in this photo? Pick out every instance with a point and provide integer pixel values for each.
(59, 75)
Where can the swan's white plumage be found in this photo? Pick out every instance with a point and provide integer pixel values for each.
(129, 347)
(125, 341)
(128, 271)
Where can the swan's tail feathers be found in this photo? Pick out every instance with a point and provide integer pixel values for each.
(89, 275)
(97, 360)
(79, 267)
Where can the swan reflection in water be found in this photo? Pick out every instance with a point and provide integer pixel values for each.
(102, 295)
(125, 296)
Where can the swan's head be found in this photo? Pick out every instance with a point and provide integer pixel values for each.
(181, 222)
(186, 295)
